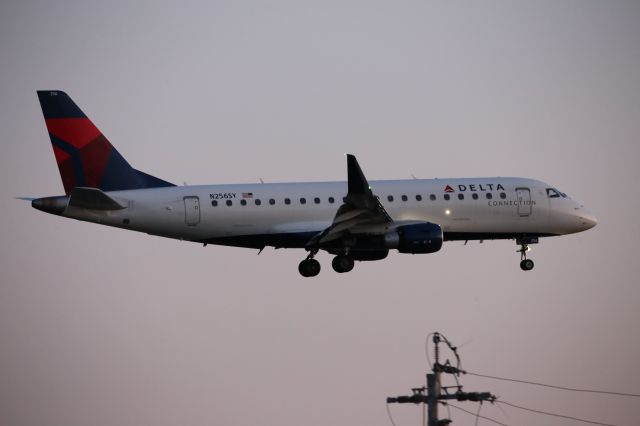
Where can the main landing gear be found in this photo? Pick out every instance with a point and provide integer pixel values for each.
(310, 267)
(525, 264)
(342, 263)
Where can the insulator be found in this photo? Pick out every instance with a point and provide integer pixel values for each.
(436, 341)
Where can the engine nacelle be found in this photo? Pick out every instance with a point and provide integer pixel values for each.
(372, 249)
(367, 255)
(417, 238)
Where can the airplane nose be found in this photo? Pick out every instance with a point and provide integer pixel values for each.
(587, 219)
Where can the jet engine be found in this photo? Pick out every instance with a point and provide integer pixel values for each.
(415, 238)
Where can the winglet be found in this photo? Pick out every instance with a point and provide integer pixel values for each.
(360, 194)
(357, 182)
(360, 206)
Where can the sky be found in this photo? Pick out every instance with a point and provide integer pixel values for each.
(101, 326)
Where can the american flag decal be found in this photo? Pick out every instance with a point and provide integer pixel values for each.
(247, 195)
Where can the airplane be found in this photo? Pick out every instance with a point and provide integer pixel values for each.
(356, 220)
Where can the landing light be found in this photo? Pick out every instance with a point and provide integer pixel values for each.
(447, 212)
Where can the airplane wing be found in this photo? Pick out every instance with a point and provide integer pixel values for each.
(360, 208)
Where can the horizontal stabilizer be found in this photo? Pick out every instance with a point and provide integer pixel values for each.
(93, 199)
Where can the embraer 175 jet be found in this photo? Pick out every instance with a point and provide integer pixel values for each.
(352, 220)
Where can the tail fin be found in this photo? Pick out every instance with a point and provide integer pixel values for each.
(85, 157)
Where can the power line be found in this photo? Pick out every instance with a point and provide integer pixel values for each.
(554, 386)
(434, 392)
(554, 414)
(426, 348)
(477, 415)
(390, 416)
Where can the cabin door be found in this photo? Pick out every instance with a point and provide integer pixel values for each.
(191, 211)
(524, 201)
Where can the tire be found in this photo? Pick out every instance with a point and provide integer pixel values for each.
(526, 265)
(342, 264)
(309, 268)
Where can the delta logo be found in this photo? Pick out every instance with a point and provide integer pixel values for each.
(475, 187)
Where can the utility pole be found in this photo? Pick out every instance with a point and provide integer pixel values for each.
(435, 392)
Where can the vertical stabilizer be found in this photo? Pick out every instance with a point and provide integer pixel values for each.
(84, 155)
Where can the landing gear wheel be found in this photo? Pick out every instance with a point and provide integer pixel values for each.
(309, 268)
(526, 264)
(342, 263)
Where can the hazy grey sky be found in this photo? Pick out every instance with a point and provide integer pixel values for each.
(100, 326)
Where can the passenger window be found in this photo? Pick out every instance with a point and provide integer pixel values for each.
(460, 196)
(258, 202)
(432, 197)
(390, 198)
(243, 202)
(404, 198)
(474, 196)
(272, 201)
(331, 200)
(287, 201)
(316, 200)
(303, 201)
(503, 195)
(418, 197)
(214, 203)
(447, 197)
(489, 195)
(229, 203)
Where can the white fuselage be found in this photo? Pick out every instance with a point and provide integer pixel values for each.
(273, 214)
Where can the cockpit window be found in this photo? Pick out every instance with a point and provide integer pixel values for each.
(554, 193)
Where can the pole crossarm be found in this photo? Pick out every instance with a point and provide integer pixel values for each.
(458, 396)
(434, 392)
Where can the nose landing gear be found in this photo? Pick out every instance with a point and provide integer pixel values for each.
(525, 264)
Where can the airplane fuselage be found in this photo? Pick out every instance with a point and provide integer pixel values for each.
(287, 214)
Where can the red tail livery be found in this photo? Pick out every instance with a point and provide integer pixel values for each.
(84, 155)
